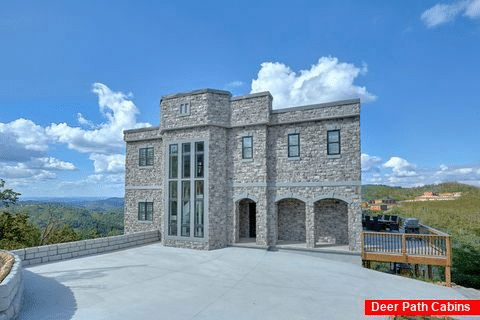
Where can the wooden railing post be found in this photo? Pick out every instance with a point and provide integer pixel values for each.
(448, 275)
(404, 247)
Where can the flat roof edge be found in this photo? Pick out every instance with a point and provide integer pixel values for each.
(140, 130)
(252, 95)
(319, 105)
(200, 91)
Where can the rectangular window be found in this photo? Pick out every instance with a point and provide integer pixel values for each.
(146, 157)
(294, 145)
(185, 208)
(184, 109)
(198, 216)
(145, 211)
(199, 159)
(172, 214)
(247, 147)
(333, 142)
(173, 162)
(185, 160)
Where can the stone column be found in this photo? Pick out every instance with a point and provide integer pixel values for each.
(236, 222)
(354, 226)
(310, 224)
(272, 217)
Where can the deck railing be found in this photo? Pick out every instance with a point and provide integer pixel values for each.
(430, 249)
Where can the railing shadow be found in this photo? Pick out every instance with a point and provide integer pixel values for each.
(46, 298)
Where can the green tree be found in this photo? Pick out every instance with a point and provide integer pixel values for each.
(7, 196)
(17, 232)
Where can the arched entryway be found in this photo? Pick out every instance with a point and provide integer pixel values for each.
(331, 222)
(247, 219)
(291, 220)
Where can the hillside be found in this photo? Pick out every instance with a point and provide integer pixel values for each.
(88, 218)
(460, 218)
(370, 192)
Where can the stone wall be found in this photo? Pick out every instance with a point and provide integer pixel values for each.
(251, 109)
(69, 250)
(331, 221)
(11, 291)
(205, 108)
(291, 220)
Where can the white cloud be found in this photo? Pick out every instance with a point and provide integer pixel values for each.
(23, 171)
(370, 163)
(473, 9)
(114, 163)
(400, 167)
(21, 140)
(234, 84)
(120, 113)
(443, 13)
(463, 170)
(328, 80)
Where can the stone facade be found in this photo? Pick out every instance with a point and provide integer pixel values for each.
(313, 197)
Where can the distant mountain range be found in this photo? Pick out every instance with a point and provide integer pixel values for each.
(91, 203)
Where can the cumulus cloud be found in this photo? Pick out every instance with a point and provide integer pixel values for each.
(24, 145)
(234, 84)
(444, 13)
(370, 163)
(22, 140)
(120, 113)
(327, 80)
(400, 167)
(114, 163)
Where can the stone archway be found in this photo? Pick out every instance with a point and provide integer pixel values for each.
(331, 221)
(291, 220)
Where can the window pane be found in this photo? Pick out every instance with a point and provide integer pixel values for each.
(185, 190)
(186, 166)
(293, 139)
(199, 166)
(185, 147)
(173, 167)
(333, 136)
(199, 189)
(141, 211)
(142, 157)
(185, 219)
(247, 153)
(149, 216)
(293, 151)
(247, 142)
(172, 219)
(173, 149)
(149, 157)
(198, 221)
(199, 146)
(333, 148)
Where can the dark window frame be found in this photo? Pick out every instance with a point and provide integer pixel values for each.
(145, 159)
(290, 155)
(147, 208)
(244, 148)
(329, 143)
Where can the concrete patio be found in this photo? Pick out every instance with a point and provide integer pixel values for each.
(156, 282)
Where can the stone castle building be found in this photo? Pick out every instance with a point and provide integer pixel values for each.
(222, 168)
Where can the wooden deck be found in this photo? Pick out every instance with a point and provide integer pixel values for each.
(430, 248)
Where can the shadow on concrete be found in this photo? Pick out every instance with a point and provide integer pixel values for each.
(46, 298)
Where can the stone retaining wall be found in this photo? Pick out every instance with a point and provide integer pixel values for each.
(63, 251)
(11, 290)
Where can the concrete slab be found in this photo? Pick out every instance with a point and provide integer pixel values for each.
(156, 282)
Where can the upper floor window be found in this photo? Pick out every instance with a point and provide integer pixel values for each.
(145, 211)
(146, 157)
(184, 109)
(247, 147)
(333, 142)
(293, 145)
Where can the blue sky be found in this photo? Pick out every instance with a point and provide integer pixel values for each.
(75, 74)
